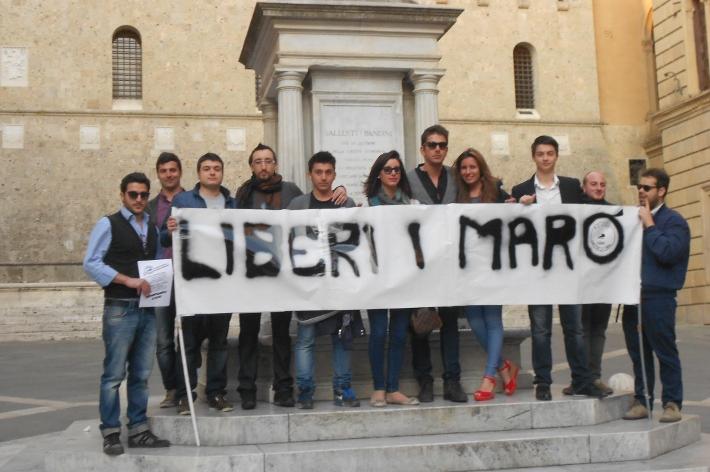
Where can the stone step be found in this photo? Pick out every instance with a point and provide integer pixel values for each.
(79, 451)
(272, 424)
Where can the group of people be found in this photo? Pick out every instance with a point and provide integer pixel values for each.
(132, 335)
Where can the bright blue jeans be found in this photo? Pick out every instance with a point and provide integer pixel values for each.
(305, 361)
(129, 340)
(398, 323)
(486, 321)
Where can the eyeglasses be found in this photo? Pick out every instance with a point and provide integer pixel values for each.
(266, 162)
(133, 195)
(646, 188)
(433, 145)
(392, 170)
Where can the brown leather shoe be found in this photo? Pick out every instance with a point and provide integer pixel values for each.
(637, 411)
(671, 413)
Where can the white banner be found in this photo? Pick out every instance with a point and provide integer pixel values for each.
(230, 261)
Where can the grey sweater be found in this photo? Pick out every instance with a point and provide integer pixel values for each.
(419, 191)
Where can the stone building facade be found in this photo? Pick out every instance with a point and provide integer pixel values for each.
(66, 140)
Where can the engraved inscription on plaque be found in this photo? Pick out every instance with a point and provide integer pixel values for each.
(499, 144)
(13, 67)
(356, 134)
(164, 139)
(13, 136)
(563, 141)
(236, 139)
(89, 137)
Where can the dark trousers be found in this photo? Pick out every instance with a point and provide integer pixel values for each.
(249, 324)
(196, 329)
(541, 328)
(595, 319)
(658, 322)
(449, 344)
(165, 345)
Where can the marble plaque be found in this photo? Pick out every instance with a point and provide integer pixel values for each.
(563, 141)
(89, 137)
(500, 145)
(13, 67)
(236, 139)
(356, 133)
(13, 136)
(164, 139)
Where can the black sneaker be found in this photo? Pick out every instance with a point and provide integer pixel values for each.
(345, 397)
(147, 439)
(219, 403)
(542, 393)
(284, 398)
(454, 392)
(183, 407)
(426, 392)
(112, 444)
(305, 400)
(248, 399)
(591, 390)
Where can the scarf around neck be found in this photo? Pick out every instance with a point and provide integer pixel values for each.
(270, 190)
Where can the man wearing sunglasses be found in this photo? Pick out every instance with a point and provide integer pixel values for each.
(546, 187)
(433, 184)
(207, 193)
(665, 254)
(116, 244)
(169, 170)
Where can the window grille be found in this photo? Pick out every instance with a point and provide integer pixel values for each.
(127, 65)
(523, 70)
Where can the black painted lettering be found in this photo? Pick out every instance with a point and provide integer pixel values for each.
(191, 269)
(311, 232)
(558, 236)
(603, 237)
(258, 245)
(413, 229)
(228, 234)
(527, 236)
(370, 237)
(492, 228)
(339, 249)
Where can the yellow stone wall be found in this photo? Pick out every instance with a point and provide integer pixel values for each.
(683, 124)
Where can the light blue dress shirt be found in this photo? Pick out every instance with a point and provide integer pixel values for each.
(100, 241)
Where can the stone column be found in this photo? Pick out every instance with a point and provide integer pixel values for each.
(269, 115)
(292, 159)
(426, 105)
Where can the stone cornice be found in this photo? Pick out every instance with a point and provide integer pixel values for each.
(683, 111)
(132, 114)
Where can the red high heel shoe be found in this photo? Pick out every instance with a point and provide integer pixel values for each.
(482, 395)
(510, 387)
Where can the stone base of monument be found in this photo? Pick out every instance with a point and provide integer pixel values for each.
(471, 355)
(565, 434)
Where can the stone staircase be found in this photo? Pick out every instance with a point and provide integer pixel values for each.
(506, 433)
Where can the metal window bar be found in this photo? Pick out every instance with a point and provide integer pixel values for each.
(127, 65)
(523, 73)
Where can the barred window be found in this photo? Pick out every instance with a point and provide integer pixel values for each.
(127, 64)
(523, 71)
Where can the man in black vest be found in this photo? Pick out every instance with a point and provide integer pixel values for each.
(116, 244)
(546, 187)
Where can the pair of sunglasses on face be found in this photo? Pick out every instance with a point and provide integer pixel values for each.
(392, 170)
(434, 144)
(133, 195)
(646, 188)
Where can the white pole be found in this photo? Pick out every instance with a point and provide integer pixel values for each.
(186, 378)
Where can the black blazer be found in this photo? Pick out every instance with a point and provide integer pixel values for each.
(570, 189)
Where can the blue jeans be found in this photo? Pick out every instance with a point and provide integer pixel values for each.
(305, 361)
(486, 321)
(398, 322)
(658, 337)
(541, 328)
(449, 345)
(165, 346)
(129, 340)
